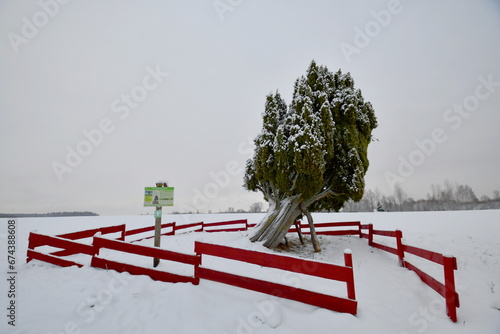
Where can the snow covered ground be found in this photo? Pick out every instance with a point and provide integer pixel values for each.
(391, 299)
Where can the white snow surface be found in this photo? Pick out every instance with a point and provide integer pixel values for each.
(391, 299)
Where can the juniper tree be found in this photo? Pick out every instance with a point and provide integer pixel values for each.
(311, 155)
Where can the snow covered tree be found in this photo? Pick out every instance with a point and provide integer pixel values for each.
(311, 155)
(379, 207)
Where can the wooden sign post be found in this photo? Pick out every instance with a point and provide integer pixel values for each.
(158, 214)
(158, 196)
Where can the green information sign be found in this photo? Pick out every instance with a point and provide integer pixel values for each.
(158, 196)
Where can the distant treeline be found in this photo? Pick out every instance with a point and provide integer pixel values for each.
(50, 214)
(441, 198)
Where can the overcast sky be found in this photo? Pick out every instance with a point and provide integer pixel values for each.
(99, 99)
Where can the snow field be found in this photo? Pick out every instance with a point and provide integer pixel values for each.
(390, 299)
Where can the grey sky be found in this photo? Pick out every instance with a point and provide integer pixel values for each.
(177, 88)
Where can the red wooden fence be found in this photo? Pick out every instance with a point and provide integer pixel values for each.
(71, 247)
(319, 227)
(173, 228)
(313, 268)
(446, 290)
(241, 225)
(68, 245)
(153, 252)
(68, 248)
(170, 226)
(195, 227)
(89, 234)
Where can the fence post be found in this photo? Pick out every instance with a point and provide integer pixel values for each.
(351, 293)
(31, 245)
(370, 234)
(359, 228)
(452, 302)
(197, 266)
(124, 232)
(298, 227)
(399, 243)
(96, 249)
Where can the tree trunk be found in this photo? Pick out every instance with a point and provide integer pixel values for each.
(275, 225)
(314, 238)
(299, 232)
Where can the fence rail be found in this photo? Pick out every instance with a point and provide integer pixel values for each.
(32, 255)
(90, 233)
(320, 226)
(153, 252)
(170, 226)
(198, 227)
(241, 225)
(312, 268)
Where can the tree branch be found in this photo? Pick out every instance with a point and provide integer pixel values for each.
(317, 197)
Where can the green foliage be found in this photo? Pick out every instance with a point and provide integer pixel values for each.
(317, 147)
